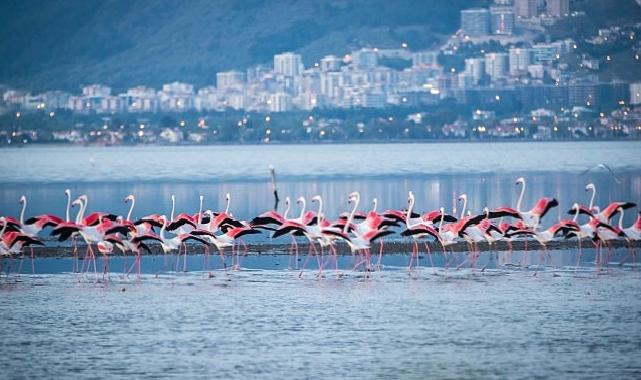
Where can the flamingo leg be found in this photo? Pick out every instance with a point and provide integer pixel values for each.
(429, 254)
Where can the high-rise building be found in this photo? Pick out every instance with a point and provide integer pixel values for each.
(280, 102)
(502, 20)
(520, 59)
(425, 58)
(635, 93)
(526, 8)
(496, 65)
(330, 63)
(475, 69)
(558, 8)
(475, 22)
(229, 79)
(365, 59)
(289, 64)
(96, 90)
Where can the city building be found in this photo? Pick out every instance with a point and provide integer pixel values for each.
(289, 64)
(558, 8)
(229, 80)
(280, 102)
(526, 8)
(475, 69)
(502, 20)
(365, 59)
(425, 58)
(635, 93)
(519, 59)
(330, 63)
(496, 65)
(475, 22)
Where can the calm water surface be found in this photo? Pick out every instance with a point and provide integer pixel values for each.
(265, 322)
(270, 324)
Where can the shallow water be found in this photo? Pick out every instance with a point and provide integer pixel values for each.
(549, 319)
(271, 324)
(46, 164)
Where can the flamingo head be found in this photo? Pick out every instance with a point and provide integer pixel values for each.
(410, 197)
(201, 197)
(129, 197)
(287, 201)
(300, 200)
(589, 186)
(520, 181)
(462, 197)
(76, 202)
(353, 197)
(163, 220)
(173, 197)
(442, 210)
(316, 198)
(575, 206)
(227, 197)
(68, 192)
(23, 199)
(486, 211)
(83, 198)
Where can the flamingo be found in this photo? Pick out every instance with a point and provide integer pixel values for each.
(418, 228)
(170, 244)
(34, 225)
(533, 217)
(13, 242)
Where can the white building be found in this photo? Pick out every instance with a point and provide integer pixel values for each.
(475, 70)
(140, 99)
(502, 20)
(330, 63)
(519, 59)
(496, 65)
(289, 64)
(230, 80)
(364, 59)
(96, 90)
(425, 58)
(475, 22)
(558, 8)
(280, 102)
(526, 8)
(635, 93)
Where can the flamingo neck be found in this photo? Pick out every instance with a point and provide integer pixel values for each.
(464, 207)
(375, 205)
(320, 211)
(518, 203)
(24, 207)
(351, 214)
(200, 211)
(131, 208)
(4, 227)
(173, 208)
(83, 207)
(162, 231)
(67, 216)
(286, 213)
(592, 197)
(576, 214)
(227, 207)
(621, 220)
(409, 213)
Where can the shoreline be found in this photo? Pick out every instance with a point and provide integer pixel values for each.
(389, 248)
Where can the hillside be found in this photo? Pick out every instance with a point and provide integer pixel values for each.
(64, 44)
